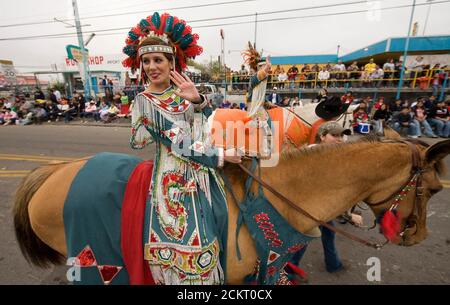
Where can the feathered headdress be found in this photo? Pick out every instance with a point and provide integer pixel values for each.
(168, 28)
(251, 56)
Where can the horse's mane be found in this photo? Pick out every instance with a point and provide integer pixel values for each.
(316, 150)
(323, 149)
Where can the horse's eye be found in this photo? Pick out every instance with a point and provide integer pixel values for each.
(435, 190)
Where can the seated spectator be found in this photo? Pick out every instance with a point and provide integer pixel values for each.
(439, 118)
(67, 110)
(80, 102)
(52, 111)
(321, 96)
(112, 113)
(405, 120)
(234, 106)
(38, 94)
(27, 120)
(103, 110)
(285, 102)
(274, 97)
(2, 116)
(91, 110)
(39, 114)
(395, 107)
(360, 116)
(297, 102)
(380, 102)
(9, 117)
(380, 117)
(430, 103)
(347, 98)
(420, 118)
(225, 104)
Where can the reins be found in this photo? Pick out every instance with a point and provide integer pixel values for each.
(299, 209)
(416, 173)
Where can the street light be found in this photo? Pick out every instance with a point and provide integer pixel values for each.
(89, 39)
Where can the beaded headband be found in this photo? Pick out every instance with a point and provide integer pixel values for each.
(155, 49)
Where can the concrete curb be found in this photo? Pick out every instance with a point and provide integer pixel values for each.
(79, 123)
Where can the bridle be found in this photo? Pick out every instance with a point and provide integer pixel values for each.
(415, 180)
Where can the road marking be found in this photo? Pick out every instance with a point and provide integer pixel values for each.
(30, 159)
(37, 157)
(34, 158)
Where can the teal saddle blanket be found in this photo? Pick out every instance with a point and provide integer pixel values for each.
(92, 220)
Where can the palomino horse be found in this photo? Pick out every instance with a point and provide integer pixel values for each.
(317, 179)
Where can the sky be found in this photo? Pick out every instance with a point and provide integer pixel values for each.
(295, 30)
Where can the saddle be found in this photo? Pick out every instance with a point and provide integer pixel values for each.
(233, 128)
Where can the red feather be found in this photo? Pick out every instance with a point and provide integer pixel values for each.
(128, 62)
(390, 225)
(292, 269)
(187, 30)
(163, 23)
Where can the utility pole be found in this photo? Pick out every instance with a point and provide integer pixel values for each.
(87, 81)
(426, 19)
(256, 29)
(402, 72)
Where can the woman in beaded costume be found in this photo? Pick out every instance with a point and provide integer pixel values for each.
(256, 96)
(185, 237)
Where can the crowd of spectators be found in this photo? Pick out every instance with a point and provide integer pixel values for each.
(56, 107)
(425, 116)
(370, 75)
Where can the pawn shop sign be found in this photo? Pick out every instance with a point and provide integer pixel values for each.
(75, 53)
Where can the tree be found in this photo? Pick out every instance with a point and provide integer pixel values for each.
(210, 70)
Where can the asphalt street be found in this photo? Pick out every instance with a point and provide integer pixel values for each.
(23, 148)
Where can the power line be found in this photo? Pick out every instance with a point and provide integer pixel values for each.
(128, 13)
(68, 35)
(203, 20)
(61, 11)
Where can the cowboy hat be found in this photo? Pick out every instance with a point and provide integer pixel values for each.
(331, 107)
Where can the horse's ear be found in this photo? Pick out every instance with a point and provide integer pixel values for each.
(391, 134)
(437, 151)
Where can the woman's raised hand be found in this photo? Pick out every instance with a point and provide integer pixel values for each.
(185, 87)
